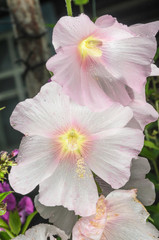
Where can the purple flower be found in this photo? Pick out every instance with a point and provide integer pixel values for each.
(24, 207)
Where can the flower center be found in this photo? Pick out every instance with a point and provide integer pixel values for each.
(90, 46)
(72, 141)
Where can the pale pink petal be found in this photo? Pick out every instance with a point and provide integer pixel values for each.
(144, 113)
(93, 96)
(116, 116)
(154, 70)
(132, 53)
(145, 188)
(66, 187)
(68, 76)
(105, 21)
(61, 217)
(42, 114)
(42, 232)
(146, 30)
(127, 218)
(119, 217)
(70, 31)
(36, 161)
(113, 153)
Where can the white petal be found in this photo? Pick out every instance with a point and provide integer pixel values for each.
(35, 162)
(113, 153)
(61, 217)
(43, 114)
(148, 29)
(42, 232)
(68, 188)
(114, 117)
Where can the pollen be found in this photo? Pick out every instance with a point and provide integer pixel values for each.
(90, 47)
(80, 169)
(72, 141)
(100, 208)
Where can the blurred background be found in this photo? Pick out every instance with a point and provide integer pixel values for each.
(26, 44)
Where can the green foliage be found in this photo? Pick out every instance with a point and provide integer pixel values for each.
(28, 220)
(2, 205)
(156, 55)
(14, 222)
(4, 236)
(81, 2)
(2, 108)
(50, 25)
(4, 195)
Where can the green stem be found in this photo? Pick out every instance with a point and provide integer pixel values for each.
(147, 134)
(81, 8)
(157, 108)
(69, 7)
(156, 169)
(94, 9)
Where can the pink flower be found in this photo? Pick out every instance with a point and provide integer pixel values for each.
(145, 188)
(42, 232)
(118, 216)
(96, 62)
(63, 142)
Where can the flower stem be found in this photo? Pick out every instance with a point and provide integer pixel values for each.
(69, 7)
(81, 8)
(156, 169)
(94, 9)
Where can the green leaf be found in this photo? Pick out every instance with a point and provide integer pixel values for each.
(4, 236)
(2, 108)
(2, 211)
(81, 2)
(50, 25)
(27, 222)
(51, 73)
(3, 223)
(14, 222)
(151, 145)
(4, 195)
(156, 55)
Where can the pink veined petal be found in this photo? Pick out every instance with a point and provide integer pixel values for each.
(69, 31)
(154, 70)
(113, 153)
(145, 30)
(116, 116)
(125, 219)
(93, 96)
(105, 21)
(65, 187)
(129, 54)
(115, 90)
(36, 161)
(42, 114)
(145, 188)
(61, 217)
(68, 76)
